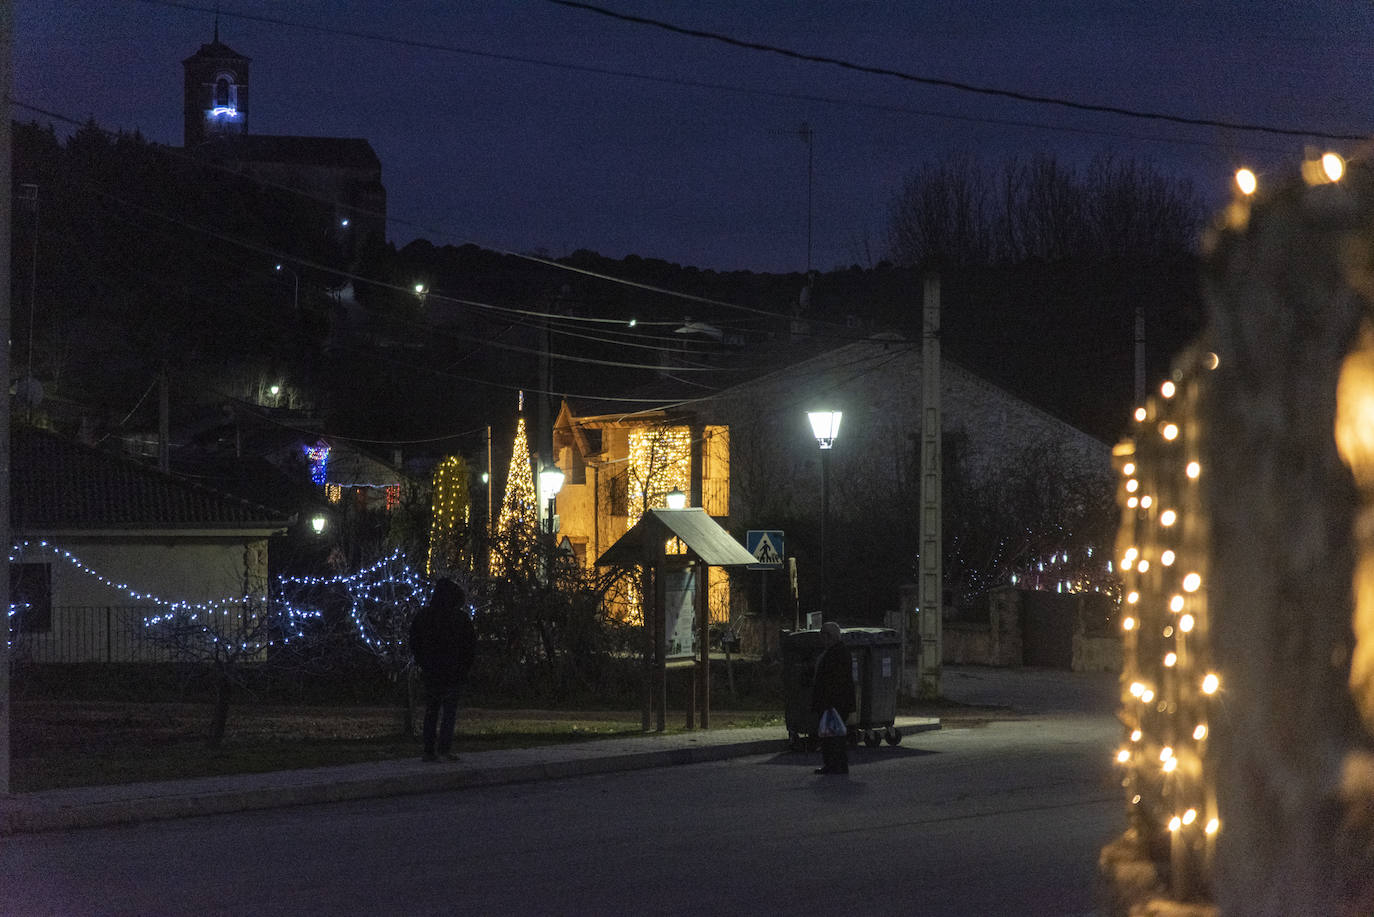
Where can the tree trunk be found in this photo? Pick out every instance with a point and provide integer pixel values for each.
(220, 717)
(409, 703)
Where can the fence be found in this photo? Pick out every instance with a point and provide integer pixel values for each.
(86, 633)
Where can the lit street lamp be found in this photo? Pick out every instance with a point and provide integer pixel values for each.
(677, 499)
(550, 483)
(295, 286)
(826, 427)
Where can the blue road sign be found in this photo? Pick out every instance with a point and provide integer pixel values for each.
(767, 547)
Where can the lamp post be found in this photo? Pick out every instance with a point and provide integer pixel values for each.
(295, 286)
(550, 483)
(826, 427)
(677, 499)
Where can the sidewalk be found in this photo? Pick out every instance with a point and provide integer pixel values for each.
(88, 807)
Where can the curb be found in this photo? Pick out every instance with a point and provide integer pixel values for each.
(59, 810)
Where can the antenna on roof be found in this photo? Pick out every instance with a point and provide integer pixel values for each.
(216, 23)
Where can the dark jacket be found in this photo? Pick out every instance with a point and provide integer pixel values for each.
(442, 638)
(834, 685)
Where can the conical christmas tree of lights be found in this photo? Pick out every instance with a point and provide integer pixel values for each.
(519, 519)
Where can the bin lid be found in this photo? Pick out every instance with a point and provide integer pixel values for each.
(852, 636)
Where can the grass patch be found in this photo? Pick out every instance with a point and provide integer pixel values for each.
(69, 744)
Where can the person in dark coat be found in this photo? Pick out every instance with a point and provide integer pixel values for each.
(833, 687)
(443, 644)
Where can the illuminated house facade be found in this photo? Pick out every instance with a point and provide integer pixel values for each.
(617, 466)
(748, 457)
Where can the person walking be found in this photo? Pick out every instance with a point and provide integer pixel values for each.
(443, 644)
(833, 686)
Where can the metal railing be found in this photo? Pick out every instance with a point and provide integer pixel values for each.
(87, 633)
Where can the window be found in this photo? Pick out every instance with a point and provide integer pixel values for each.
(618, 495)
(31, 596)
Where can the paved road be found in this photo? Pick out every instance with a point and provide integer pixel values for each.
(1002, 819)
(1032, 691)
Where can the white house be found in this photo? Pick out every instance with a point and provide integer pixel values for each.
(100, 542)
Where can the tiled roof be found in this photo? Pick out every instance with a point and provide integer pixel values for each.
(56, 483)
(215, 50)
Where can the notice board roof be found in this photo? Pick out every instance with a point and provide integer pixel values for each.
(702, 535)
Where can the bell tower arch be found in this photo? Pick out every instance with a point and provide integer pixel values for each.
(216, 93)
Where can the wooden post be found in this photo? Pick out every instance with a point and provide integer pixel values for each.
(646, 606)
(660, 604)
(703, 681)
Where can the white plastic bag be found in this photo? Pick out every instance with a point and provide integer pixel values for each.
(832, 725)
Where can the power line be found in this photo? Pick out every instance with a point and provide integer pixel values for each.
(955, 84)
(610, 278)
(713, 86)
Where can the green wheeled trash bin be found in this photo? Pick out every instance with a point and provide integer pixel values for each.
(876, 656)
(800, 650)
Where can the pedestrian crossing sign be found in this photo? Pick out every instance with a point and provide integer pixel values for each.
(767, 547)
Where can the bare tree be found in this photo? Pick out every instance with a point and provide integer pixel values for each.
(943, 214)
(961, 213)
(225, 639)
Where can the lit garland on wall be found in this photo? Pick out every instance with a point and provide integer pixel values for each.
(201, 617)
(382, 598)
(1169, 684)
(660, 461)
(449, 513)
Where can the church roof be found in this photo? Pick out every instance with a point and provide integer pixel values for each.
(340, 152)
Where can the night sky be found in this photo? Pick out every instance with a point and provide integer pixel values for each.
(624, 138)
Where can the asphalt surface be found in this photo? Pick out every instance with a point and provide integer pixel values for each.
(1018, 691)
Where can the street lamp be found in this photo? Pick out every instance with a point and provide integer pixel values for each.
(295, 286)
(826, 427)
(550, 483)
(677, 499)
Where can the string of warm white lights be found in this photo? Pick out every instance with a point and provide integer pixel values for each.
(519, 517)
(1171, 685)
(451, 510)
(1169, 681)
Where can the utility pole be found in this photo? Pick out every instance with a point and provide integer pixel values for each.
(6, 216)
(808, 137)
(1139, 355)
(930, 571)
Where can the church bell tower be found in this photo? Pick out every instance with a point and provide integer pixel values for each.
(216, 102)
